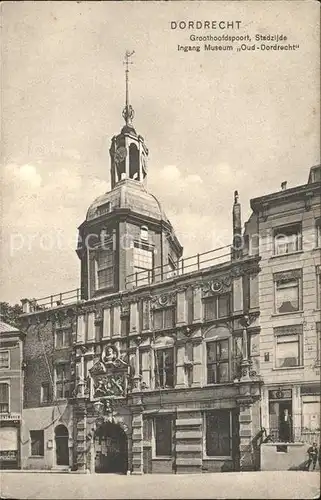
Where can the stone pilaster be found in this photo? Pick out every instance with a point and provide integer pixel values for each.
(137, 443)
(81, 328)
(130, 453)
(146, 378)
(197, 309)
(238, 294)
(91, 330)
(265, 409)
(81, 382)
(197, 364)
(106, 324)
(188, 442)
(249, 425)
(81, 430)
(296, 412)
(117, 323)
(180, 367)
(137, 371)
(245, 438)
(146, 320)
(134, 318)
(181, 308)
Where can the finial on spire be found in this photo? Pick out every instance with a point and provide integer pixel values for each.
(128, 112)
(236, 197)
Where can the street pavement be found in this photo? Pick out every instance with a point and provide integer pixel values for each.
(228, 485)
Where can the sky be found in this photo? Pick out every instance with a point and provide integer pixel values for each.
(214, 121)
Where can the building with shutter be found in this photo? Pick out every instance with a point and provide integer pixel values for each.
(11, 388)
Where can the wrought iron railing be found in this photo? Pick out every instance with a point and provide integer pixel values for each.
(294, 435)
(182, 266)
(158, 274)
(56, 300)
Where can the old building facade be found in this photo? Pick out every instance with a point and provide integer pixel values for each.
(11, 389)
(289, 286)
(165, 364)
(153, 366)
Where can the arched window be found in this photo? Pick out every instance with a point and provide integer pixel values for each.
(133, 162)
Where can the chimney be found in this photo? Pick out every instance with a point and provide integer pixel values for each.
(237, 243)
(237, 223)
(283, 185)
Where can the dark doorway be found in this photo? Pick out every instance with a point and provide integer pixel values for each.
(61, 440)
(111, 454)
(280, 413)
(285, 421)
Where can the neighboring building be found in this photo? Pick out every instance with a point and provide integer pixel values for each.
(11, 389)
(289, 228)
(154, 367)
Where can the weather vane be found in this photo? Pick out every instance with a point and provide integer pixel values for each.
(128, 112)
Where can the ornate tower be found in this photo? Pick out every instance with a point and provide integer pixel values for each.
(126, 240)
(128, 151)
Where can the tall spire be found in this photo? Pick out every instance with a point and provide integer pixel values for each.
(128, 112)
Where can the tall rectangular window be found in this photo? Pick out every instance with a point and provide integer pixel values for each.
(163, 435)
(4, 397)
(37, 443)
(217, 306)
(4, 359)
(218, 435)
(124, 325)
(143, 263)
(287, 239)
(62, 381)
(288, 291)
(63, 338)
(217, 361)
(223, 305)
(45, 392)
(164, 318)
(105, 266)
(288, 346)
(164, 367)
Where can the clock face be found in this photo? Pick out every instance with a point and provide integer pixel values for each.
(120, 154)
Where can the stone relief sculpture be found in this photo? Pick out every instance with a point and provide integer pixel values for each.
(109, 374)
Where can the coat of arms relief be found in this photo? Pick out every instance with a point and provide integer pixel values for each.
(108, 376)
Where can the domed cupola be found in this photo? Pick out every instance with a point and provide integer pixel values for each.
(128, 151)
(126, 239)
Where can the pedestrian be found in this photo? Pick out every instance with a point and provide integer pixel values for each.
(313, 455)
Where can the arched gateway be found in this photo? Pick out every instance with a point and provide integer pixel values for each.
(111, 451)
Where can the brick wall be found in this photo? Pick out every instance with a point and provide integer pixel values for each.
(40, 356)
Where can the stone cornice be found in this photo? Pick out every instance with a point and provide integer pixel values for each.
(298, 193)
